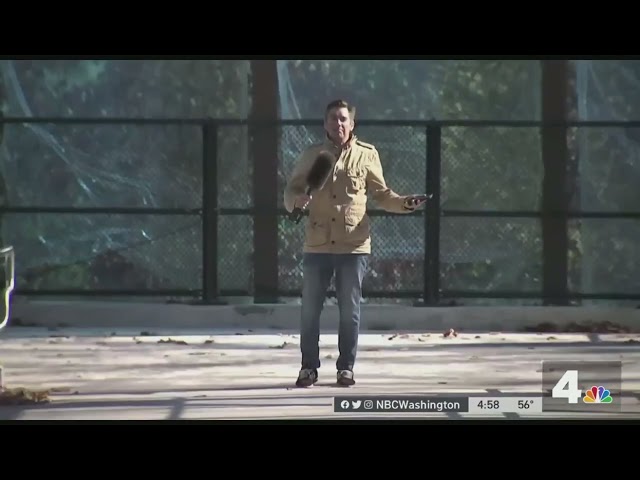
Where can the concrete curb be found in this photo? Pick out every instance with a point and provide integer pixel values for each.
(286, 317)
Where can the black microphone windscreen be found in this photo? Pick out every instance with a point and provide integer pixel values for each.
(320, 171)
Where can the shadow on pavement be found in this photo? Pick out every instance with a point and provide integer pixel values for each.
(174, 406)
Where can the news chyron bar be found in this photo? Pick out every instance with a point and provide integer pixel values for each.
(442, 404)
(566, 387)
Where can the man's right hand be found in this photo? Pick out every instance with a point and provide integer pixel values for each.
(302, 201)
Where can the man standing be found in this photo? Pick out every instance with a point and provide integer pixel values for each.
(337, 235)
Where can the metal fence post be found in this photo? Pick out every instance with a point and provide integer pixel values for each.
(431, 285)
(265, 153)
(210, 287)
(555, 197)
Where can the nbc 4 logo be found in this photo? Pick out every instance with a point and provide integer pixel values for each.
(567, 387)
(597, 395)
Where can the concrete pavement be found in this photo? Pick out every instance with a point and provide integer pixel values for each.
(117, 374)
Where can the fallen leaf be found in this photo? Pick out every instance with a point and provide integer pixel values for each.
(450, 333)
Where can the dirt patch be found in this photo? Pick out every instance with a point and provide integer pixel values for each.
(171, 340)
(23, 396)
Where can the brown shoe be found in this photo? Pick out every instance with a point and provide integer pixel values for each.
(345, 378)
(307, 377)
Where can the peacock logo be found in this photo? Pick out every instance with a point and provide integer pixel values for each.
(597, 395)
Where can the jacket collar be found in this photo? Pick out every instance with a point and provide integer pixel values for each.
(331, 145)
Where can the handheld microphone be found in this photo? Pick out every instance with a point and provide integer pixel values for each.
(316, 178)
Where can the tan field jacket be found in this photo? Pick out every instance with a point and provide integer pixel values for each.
(338, 220)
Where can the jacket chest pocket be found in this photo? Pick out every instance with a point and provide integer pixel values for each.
(356, 180)
(355, 183)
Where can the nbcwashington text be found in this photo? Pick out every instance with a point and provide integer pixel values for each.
(400, 404)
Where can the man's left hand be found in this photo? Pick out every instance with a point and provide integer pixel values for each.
(411, 202)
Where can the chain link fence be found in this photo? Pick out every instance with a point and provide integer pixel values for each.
(497, 169)
(104, 166)
(491, 168)
(489, 229)
(106, 251)
(95, 165)
(491, 254)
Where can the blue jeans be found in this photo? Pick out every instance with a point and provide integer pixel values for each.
(318, 269)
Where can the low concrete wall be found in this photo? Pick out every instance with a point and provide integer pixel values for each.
(286, 317)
